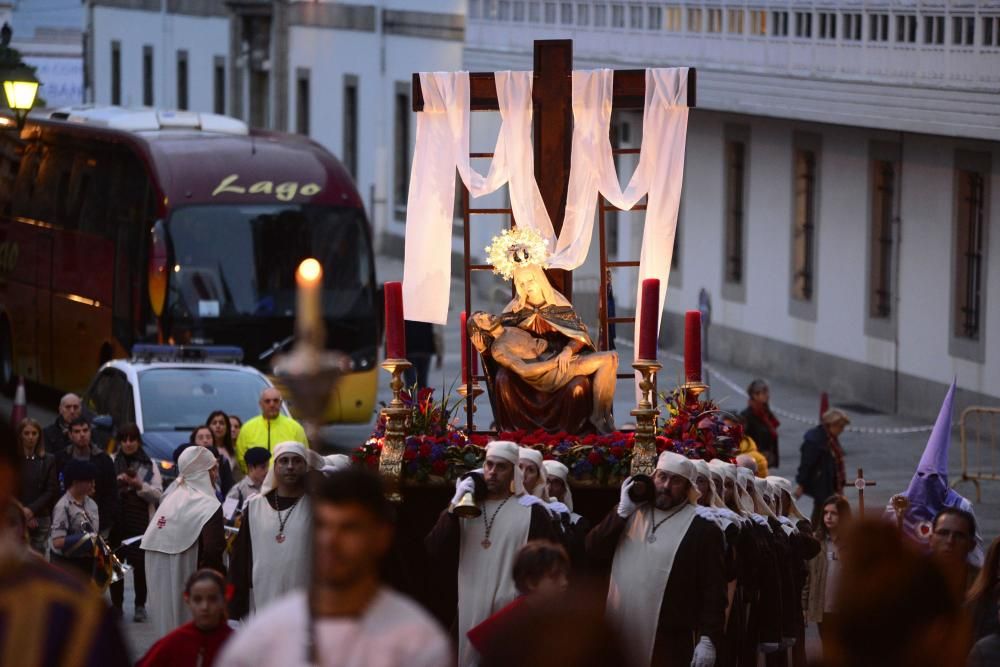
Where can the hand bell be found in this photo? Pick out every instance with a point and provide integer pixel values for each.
(467, 507)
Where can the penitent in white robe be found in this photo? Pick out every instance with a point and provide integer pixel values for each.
(166, 575)
(485, 576)
(393, 631)
(639, 575)
(278, 567)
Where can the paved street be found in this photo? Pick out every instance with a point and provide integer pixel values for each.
(888, 459)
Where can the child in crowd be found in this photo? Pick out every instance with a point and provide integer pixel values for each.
(198, 643)
(541, 571)
(75, 520)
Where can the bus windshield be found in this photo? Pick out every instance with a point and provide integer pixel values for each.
(233, 261)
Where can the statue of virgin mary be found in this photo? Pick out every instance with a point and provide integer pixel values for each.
(577, 395)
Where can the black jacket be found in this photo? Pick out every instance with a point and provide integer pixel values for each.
(817, 469)
(767, 443)
(106, 486)
(56, 436)
(39, 485)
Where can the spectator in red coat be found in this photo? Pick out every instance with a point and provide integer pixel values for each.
(200, 641)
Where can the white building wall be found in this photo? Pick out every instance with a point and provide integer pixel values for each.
(204, 38)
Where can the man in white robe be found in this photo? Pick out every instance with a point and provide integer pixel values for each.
(482, 550)
(347, 618)
(186, 534)
(271, 552)
(668, 581)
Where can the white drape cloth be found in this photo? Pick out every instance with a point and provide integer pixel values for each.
(442, 146)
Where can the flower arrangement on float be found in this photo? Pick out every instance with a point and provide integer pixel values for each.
(437, 451)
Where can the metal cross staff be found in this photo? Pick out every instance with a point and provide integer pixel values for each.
(860, 483)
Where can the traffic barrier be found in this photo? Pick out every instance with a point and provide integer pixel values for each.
(980, 438)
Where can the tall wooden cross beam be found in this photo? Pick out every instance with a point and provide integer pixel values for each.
(552, 95)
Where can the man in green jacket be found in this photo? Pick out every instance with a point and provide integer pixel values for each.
(269, 428)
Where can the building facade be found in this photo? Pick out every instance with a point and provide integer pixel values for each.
(840, 205)
(841, 192)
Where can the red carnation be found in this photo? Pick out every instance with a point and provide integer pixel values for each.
(617, 451)
(425, 450)
(409, 454)
(439, 467)
(595, 458)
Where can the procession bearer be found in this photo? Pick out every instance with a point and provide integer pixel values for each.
(482, 550)
(667, 594)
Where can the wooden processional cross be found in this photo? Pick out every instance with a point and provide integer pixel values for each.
(552, 98)
(860, 484)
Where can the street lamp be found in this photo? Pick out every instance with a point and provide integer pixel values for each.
(20, 87)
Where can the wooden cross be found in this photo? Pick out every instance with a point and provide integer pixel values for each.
(860, 483)
(552, 95)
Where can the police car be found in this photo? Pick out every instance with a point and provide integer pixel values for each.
(169, 390)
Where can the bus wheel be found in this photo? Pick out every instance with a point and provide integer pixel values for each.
(6, 359)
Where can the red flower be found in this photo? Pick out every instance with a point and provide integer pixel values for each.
(425, 450)
(617, 451)
(595, 458)
(439, 467)
(409, 454)
(479, 440)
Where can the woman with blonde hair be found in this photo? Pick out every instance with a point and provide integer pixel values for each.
(39, 484)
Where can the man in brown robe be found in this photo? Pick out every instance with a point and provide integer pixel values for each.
(668, 579)
(481, 551)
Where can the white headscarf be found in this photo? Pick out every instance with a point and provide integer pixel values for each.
(506, 450)
(676, 464)
(185, 511)
(784, 486)
(313, 462)
(730, 472)
(530, 455)
(334, 462)
(560, 471)
(759, 506)
(701, 466)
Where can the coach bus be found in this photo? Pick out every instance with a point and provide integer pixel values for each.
(122, 226)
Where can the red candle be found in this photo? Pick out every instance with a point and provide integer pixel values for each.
(395, 331)
(692, 346)
(648, 325)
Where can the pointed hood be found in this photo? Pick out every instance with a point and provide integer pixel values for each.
(928, 491)
(935, 457)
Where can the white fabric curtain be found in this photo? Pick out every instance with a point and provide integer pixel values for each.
(442, 145)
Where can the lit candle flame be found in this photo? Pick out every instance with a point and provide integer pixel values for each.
(310, 272)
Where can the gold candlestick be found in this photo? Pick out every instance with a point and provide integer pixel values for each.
(644, 449)
(390, 463)
(465, 391)
(694, 390)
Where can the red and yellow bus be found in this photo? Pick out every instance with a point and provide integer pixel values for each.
(122, 226)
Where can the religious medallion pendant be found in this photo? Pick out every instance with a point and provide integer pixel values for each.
(279, 538)
(651, 538)
(486, 543)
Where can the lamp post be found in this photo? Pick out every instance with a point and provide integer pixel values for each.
(20, 88)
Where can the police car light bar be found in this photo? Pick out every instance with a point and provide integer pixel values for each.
(216, 353)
